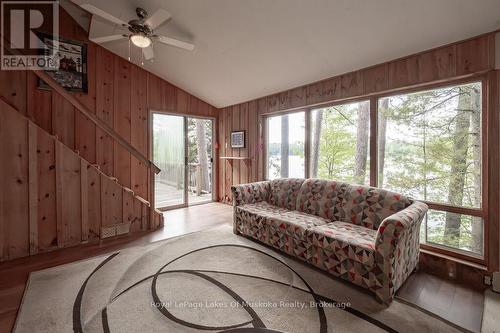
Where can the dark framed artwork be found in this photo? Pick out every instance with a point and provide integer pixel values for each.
(72, 60)
(238, 139)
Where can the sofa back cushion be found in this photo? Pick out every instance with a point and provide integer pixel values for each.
(369, 206)
(283, 192)
(321, 198)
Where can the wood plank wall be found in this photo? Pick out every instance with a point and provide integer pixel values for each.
(119, 93)
(452, 61)
(52, 198)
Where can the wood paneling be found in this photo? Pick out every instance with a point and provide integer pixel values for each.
(47, 227)
(375, 79)
(437, 64)
(94, 201)
(54, 195)
(122, 119)
(39, 107)
(139, 136)
(351, 84)
(33, 186)
(243, 152)
(85, 137)
(229, 152)
(475, 55)
(68, 196)
(403, 72)
(104, 108)
(111, 202)
(13, 89)
(14, 225)
(128, 206)
(297, 97)
(63, 120)
(235, 117)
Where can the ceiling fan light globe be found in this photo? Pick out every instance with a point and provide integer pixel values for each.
(140, 41)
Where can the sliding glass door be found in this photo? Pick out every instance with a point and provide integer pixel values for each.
(169, 154)
(200, 160)
(183, 150)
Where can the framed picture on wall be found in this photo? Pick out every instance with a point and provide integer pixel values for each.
(71, 59)
(238, 139)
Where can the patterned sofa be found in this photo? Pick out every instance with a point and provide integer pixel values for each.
(365, 235)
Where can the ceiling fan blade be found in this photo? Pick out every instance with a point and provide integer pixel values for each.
(176, 42)
(158, 18)
(105, 39)
(148, 53)
(101, 13)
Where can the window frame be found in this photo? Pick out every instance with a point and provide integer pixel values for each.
(309, 115)
(488, 140)
(482, 211)
(265, 129)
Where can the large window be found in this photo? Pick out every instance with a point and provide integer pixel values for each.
(429, 148)
(285, 146)
(340, 142)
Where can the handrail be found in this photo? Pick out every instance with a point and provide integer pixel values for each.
(83, 110)
(98, 122)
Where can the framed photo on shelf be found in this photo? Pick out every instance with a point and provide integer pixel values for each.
(238, 139)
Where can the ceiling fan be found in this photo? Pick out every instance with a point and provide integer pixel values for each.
(140, 30)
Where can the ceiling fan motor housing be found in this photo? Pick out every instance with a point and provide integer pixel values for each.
(137, 27)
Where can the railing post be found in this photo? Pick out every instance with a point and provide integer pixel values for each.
(198, 179)
(152, 175)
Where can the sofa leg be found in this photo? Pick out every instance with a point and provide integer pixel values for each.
(383, 300)
(235, 230)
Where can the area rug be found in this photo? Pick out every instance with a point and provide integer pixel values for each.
(208, 281)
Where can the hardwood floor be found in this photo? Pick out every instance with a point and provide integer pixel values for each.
(453, 302)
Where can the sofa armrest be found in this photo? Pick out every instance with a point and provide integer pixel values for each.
(250, 193)
(397, 248)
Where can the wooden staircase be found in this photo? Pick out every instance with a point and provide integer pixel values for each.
(81, 205)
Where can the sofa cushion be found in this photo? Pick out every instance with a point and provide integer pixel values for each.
(251, 218)
(369, 206)
(321, 198)
(294, 223)
(262, 208)
(338, 241)
(287, 232)
(284, 192)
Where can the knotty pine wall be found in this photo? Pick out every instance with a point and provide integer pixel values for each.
(51, 197)
(119, 92)
(463, 59)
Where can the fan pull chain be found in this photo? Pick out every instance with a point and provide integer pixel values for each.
(142, 57)
(129, 49)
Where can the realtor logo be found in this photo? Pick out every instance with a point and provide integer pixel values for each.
(22, 48)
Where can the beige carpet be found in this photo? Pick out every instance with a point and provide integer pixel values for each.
(209, 281)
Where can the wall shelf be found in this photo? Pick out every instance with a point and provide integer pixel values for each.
(234, 158)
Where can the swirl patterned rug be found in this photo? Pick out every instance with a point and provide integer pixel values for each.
(209, 281)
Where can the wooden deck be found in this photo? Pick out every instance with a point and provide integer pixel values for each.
(166, 195)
